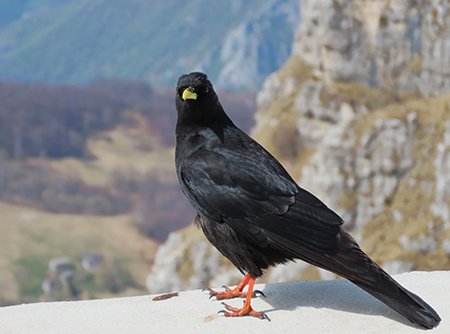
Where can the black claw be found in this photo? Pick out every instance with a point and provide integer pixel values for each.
(212, 293)
(207, 289)
(264, 316)
(224, 287)
(222, 311)
(226, 306)
(255, 293)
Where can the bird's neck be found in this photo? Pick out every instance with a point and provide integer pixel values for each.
(189, 123)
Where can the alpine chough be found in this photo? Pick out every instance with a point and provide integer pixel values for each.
(254, 213)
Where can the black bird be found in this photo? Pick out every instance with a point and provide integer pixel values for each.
(254, 213)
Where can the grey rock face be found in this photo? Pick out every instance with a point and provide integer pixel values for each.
(441, 204)
(259, 45)
(401, 45)
(186, 262)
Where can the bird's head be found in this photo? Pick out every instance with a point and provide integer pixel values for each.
(196, 100)
(194, 86)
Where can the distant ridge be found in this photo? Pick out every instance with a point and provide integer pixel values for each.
(82, 40)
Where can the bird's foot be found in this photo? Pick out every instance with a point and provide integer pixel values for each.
(227, 294)
(240, 312)
(232, 293)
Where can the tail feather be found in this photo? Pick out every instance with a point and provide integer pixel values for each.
(411, 306)
(352, 263)
(357, 267)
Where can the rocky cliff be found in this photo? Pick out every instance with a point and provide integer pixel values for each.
(259, 45)
(360, 116)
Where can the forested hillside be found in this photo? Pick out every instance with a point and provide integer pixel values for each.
(42, 125)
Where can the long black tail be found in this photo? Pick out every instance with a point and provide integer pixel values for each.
(406, 303)
(352, 263)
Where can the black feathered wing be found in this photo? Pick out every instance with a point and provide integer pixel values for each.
(255, 195)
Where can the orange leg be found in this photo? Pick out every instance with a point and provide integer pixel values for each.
(246, 309)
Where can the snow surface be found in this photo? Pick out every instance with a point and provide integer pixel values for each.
(298, 307)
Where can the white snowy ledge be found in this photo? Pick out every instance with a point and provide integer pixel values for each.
(307, 307)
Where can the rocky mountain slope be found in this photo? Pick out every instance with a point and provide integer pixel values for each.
(360, 116)
(154, 41)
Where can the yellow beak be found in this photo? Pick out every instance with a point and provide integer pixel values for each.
(189, 94)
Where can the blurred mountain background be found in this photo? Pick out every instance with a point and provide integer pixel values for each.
(88, 188)
(237, 42)
(351, 96)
